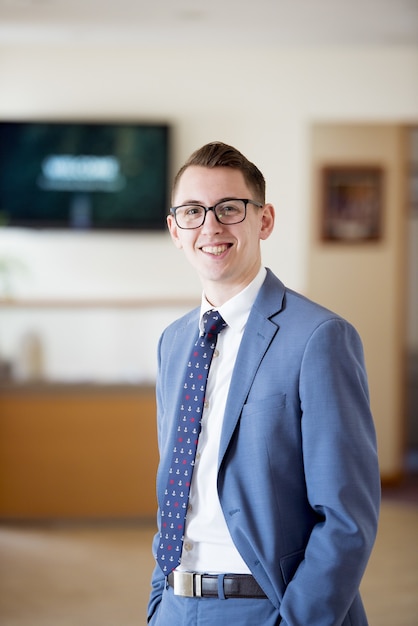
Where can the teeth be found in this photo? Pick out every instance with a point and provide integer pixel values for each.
(215, 249)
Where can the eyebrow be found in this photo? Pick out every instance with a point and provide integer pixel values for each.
(225, 199)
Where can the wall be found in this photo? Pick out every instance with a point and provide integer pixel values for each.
(367, 285)
(261, 99)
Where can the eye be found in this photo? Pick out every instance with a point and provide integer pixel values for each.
(230, 208)
(189, 211)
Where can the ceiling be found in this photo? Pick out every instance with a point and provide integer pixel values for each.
(217, 23)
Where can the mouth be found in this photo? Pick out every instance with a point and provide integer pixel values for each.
(216, 250)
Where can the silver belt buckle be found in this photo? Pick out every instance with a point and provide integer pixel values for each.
(184, 583)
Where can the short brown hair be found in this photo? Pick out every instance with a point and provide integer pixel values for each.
(218, 154)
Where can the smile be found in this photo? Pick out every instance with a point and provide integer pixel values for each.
(216, 250)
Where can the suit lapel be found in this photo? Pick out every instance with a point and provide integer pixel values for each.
(258, 334)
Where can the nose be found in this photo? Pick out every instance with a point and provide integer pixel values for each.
(211, 222)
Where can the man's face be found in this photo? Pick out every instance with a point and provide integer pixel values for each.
(227, 258)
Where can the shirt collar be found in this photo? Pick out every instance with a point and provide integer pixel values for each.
(235, 311)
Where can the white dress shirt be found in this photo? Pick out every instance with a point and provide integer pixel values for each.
(207, 545)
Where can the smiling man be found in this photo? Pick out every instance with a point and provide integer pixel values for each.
(268, 483)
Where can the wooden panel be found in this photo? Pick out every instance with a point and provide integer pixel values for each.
(73, 454)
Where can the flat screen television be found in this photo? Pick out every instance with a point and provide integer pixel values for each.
(84, 175)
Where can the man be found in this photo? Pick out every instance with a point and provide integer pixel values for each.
(284, 498)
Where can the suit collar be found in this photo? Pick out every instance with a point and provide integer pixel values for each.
(270, 298)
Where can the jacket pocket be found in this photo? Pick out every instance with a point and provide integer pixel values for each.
(289, 564)
(265, 404)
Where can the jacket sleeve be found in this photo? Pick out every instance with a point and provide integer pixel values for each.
(342, 477)
(157, 586)
(158, 578)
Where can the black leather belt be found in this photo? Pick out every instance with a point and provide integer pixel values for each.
(193, 585)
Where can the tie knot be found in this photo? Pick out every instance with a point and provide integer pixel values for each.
(213, 323)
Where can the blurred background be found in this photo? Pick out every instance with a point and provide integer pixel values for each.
(322, 96)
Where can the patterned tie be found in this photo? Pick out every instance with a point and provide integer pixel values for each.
(174, 510)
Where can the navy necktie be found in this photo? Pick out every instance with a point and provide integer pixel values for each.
(174, 509)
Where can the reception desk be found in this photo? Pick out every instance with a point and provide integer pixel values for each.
(77, 452)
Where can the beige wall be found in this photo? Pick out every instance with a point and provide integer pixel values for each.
(365, 282)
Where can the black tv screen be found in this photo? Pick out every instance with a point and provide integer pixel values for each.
(91, 176)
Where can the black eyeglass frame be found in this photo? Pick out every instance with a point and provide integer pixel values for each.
(246, 201)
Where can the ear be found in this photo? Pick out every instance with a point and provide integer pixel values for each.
(267, 221)
(173, 230)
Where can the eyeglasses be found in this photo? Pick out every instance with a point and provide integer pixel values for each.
(228, 211)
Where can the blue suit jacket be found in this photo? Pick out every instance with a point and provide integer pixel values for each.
(298, 476)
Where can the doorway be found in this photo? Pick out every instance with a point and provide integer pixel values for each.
(411, 430)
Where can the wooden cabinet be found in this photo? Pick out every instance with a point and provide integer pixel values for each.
(77, 452)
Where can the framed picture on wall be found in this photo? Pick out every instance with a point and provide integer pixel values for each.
(352, 203)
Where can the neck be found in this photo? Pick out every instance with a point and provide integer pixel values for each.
(217, 293)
